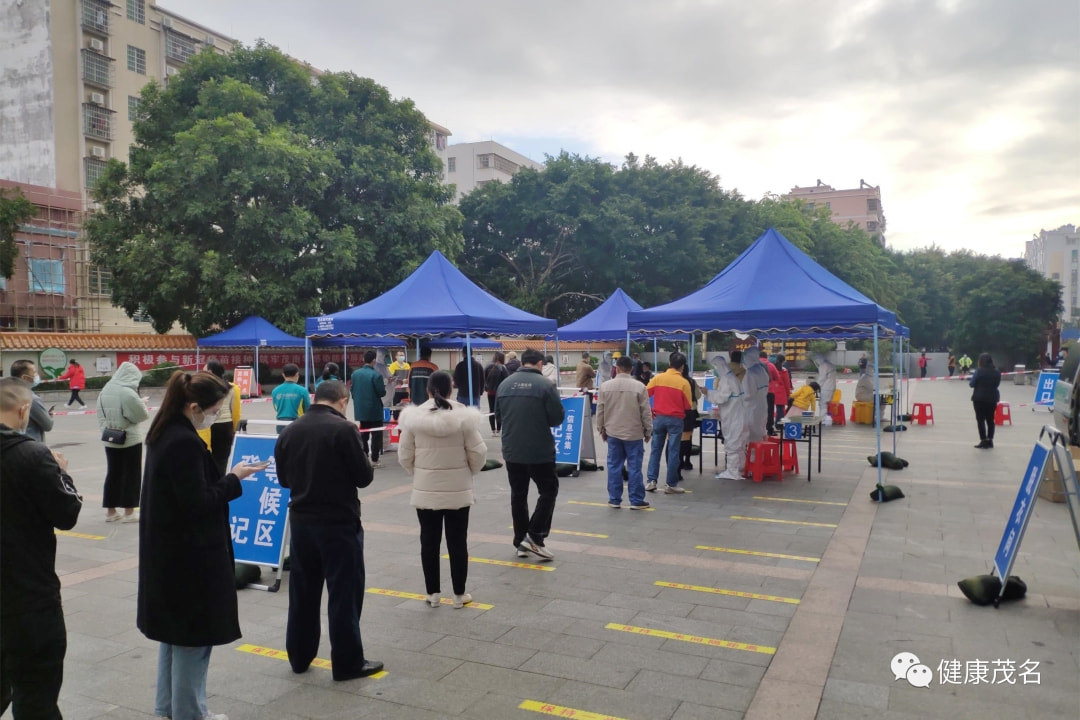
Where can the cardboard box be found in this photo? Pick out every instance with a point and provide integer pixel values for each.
(1053, 485)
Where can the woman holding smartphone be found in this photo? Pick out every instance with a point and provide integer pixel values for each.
(187, 596)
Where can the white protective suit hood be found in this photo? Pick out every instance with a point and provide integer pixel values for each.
(727, 394)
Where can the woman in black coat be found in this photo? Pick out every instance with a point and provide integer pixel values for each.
(985, 396)
(187, 597)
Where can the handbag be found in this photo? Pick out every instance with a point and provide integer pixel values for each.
(112, 435)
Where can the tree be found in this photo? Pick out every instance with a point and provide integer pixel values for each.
(15, 210)
(255, 188)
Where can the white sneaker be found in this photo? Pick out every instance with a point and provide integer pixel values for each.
(114, 517)
(461, 601)
(434, 600)
(651, 486)
(132, 518)
(522, 553)
(215, 716)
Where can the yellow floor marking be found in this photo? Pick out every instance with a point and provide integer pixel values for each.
(507, 563)
(595, 504)
(696, 639)
(572, 532)
(755, 553)
(784, 522)
(417, 596)
(560, 711)
(811, 502)
(732, 593)
(68, 533)
(282, 655)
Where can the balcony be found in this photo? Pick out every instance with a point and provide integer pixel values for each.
(178, 47)
(97, 69)
(97, 122)
(95, 16)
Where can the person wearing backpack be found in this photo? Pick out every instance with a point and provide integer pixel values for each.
(494, 374)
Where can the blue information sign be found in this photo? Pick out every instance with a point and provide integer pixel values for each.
(793, 430)
(1044, 391)
(710, 427)
(258, 517)
(1021, 511)
(568, 435)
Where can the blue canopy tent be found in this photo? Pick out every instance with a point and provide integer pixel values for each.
(773, 289)
(436, 300)
(253, 331)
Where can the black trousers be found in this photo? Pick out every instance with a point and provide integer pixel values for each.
(456, 523)
(984, 418)
(374, 438)
(495, 424)
(334, 554)
(221, 440)
(123, 477)
(770, 414)
(537, 526)
(32, 649)
(75, 398)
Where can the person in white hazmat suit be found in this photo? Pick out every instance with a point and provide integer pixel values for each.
(603, 372)
(826, 378)
(756, 395)
(727, 396)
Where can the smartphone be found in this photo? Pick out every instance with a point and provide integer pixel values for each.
(259, 465)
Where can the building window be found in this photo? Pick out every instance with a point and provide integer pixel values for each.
(141, 316)
(1055, 276)
(451, 164)
(828, 205)
(133, 108)
(46, 276)
(97, 122)
(483, 161)
(100, 282)
(871, 226)
(507, 166)
(810, 206)
(97, 69)
(95, 168)
(136, 60)
(440, 141)
(178, 47)
(95, 16)
(136, 10)
(872, 205)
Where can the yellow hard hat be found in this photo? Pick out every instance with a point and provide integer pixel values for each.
(616, 354)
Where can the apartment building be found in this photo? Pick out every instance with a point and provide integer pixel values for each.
(72, 74)
(1056, 255)
(472, 165)
(861, 205)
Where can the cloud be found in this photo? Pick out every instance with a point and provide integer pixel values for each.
(964, 111)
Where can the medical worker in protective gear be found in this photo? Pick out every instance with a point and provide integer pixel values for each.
(756, 395)
(727, 396)
(826, 378)
(603, 373)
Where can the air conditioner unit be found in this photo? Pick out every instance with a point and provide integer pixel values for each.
(98, 152)
(166, 22)
(97, 45)
(170, 71)
(97, 98)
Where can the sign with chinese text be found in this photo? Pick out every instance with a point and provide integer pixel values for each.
(568, 435)
(1044, 391)
(244, 378)
(258, 517)
(1021, 511)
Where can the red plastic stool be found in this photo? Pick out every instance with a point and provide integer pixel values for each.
(395, 433)
(1002, 413)
(762, 458)
(921, 413)
(789, 454)
(836, 412)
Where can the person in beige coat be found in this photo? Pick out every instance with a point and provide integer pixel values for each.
(442, 448)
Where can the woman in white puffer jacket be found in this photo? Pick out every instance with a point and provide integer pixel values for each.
(442, 448)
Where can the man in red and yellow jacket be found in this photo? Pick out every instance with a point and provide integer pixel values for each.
(671, 398)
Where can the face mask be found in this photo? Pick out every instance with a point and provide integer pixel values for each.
(401, 358)
(207, 420)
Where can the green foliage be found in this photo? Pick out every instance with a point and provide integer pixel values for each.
(254, 189)
(15, 210)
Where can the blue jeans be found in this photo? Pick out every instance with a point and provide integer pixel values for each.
(181, 682)
(631, 452)
(665, 430)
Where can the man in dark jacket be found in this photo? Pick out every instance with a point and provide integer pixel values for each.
(528, 406)
(41, 420)
(461, 381)
(321, 460)
(368, 390)
(36, 497)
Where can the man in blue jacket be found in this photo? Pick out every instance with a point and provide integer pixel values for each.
(368, 390)
(36, 497)
(528, 406)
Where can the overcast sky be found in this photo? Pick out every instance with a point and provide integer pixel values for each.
(965, 112)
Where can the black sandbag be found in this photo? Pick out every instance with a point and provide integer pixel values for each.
(244, 574)
(985, 589)
(886, 493)
(888, 460)
(589, 466)
(491, 464)
(565, 469)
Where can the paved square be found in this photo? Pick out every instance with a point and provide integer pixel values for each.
(739, 600)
